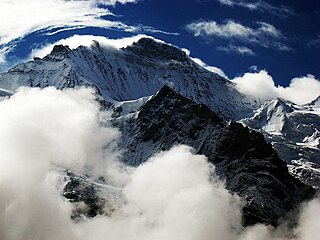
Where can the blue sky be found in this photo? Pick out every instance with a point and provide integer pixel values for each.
(282, 37)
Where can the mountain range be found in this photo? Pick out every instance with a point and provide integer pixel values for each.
(160, 98)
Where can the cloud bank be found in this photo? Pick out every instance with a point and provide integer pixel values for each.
(173, 196)
(42, 129)
(261, 6)
(261, 85)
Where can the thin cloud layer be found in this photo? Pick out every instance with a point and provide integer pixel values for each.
(265, 34)
(261, 6)
(86, 40)
(20, 18)
(232, 29)
(237, 49)
(261, 85)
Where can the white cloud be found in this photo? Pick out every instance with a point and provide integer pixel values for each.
(209, 68)
(261, 85)
(230, 29)
(43, 129)
(20, 18)
(265, 34)
(269, 29)
(114, 2)
(260, 5)
(309, 224)
(237, 49)
(174, 195)
(301, 89)
(87, 40)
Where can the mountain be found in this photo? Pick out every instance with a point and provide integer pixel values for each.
(160, 98)
(249, 165)
(130, 73)
(294, 131)
(140, 70)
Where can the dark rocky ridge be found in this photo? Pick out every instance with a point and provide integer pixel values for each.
(249, 165)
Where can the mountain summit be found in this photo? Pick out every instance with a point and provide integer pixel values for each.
(161, 98)
(130, 73)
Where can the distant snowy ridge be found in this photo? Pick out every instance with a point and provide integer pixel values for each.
(294, 131)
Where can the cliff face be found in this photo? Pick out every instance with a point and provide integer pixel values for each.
(249, 165)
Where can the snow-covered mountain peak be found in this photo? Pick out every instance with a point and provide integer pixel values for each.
(280, 105)
(271, 116)
(129, 73)
(293, 131)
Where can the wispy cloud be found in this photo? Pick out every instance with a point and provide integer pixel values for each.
(21, 18)
(315, 43)
(237, 49)
(261, 6)
(232, 29)
(264, 34)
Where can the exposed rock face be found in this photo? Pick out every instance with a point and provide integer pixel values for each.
(249, 165)
(86, 196)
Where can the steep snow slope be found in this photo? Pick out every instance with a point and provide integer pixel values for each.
(294, 131)
(130, 73)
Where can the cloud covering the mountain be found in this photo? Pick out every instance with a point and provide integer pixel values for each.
(174, 195)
